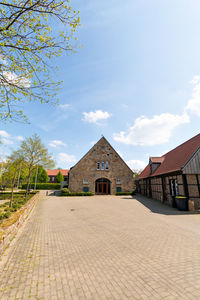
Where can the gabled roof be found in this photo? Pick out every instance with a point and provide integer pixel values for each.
(175, 159)
(55, 172)
(99, 141)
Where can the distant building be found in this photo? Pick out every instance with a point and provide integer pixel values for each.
(102, 171)
(53, 173)
(176, 173)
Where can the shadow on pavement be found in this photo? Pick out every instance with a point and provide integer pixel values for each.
(53, 193)
(158, 207)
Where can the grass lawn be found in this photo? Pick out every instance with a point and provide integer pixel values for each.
(18, 201)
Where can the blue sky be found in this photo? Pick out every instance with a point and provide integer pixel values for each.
(136, 80)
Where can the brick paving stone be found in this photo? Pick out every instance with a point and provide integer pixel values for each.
(107, 248)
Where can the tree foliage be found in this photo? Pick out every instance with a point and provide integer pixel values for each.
(136, 173)
(42, 176)
(59, 177)
(35, 154)
(12, 169)
(29, 39)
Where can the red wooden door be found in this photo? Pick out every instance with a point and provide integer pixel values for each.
(102, 188)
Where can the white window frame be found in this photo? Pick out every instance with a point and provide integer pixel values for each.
(98, 165)
(102, 165)
(107, 166)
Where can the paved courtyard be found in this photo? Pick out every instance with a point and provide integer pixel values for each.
(103, 247)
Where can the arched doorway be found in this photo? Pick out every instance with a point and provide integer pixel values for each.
(102, 186)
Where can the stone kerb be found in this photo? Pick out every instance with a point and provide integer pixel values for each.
(7, 233)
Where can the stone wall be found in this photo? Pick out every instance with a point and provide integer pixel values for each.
(85, 173)
(7, 233)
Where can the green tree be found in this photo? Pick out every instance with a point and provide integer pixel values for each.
(59, 177)
(12, 168)
(27, 46)
(35, 154)
(42, 176)
(136, 173)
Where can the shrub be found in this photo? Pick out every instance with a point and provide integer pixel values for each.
(59, 177)
(45, 186)
(69, 194)
(65, 190)
(5, 215)
(125, 193)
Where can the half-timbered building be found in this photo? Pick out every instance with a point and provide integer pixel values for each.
(174, 175)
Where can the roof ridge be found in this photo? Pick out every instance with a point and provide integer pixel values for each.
(181, 144)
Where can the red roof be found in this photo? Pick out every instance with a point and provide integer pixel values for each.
(175, 159)
(157, 159)
(55, 172)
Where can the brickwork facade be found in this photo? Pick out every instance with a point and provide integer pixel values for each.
(101, 164)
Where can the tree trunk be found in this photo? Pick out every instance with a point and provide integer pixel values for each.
(12, 189)
(28, 183)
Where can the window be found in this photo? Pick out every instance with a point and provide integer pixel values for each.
(107, 165)
(176, 188)
(118, 189)
(85, 181)
(86, 189)
(173, 187)
(118, 181)
(52, 178)
(102, 165)
(98, 165)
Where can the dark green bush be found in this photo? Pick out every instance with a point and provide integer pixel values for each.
(5, 215)
(125, 193)
(44, 186)
(65, 190)
(77, 194)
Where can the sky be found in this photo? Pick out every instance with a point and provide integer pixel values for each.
(135, 80)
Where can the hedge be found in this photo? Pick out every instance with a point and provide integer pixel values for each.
(44, 186)
(76, 194)
(125, 193)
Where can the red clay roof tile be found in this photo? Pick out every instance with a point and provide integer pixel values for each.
(55, 172)
(175, 159)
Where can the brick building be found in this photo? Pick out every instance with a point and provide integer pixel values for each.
(53, 173)
(176, 173)
(102, 171)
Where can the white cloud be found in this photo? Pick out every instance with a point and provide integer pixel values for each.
(19, 138)
(151, 131)
(12, 78)
(6, 141)
(194, 103)
(65, 160)
(135, 164)
(64, 106)
(4, 134)
(56, 143)
(95, 116)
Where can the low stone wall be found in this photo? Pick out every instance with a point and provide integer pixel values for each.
(7, 232)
